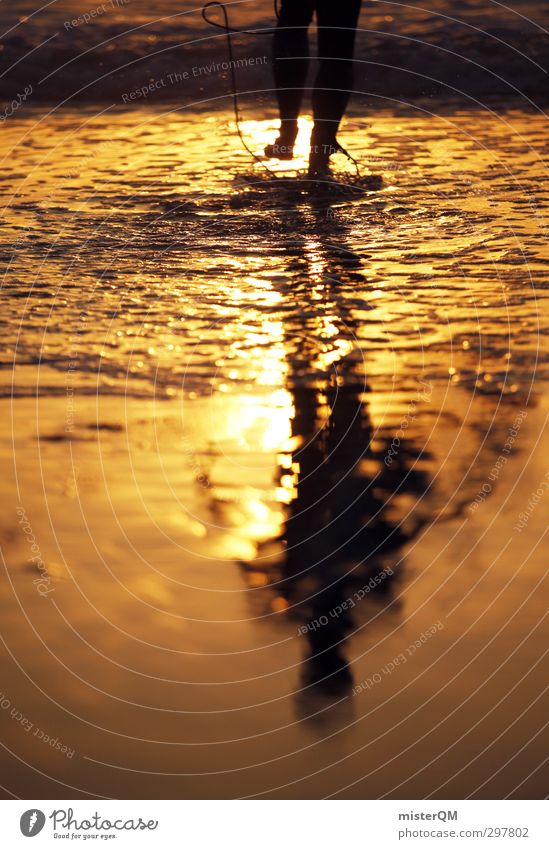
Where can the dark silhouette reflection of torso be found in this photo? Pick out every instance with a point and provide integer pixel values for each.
(342, 534)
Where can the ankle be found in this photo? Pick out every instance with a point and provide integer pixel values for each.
(287, 133)
(319, 165)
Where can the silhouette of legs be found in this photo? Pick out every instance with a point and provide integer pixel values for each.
(291, 64)
(334, 81)
(336, 20)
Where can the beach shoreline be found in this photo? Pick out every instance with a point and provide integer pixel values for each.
(211, 384)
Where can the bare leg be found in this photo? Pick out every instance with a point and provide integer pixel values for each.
(291, 63)
(334, 81)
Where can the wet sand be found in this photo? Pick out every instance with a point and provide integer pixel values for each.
(243, 423)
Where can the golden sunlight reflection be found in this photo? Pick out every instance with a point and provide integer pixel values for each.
(259, 134)
(316, 260)
(247, 498)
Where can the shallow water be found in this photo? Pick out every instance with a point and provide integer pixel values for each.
(236, 404)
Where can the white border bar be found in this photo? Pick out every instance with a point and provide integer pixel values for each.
(278, 824)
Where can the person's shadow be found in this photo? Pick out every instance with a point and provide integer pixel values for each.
(341, 535)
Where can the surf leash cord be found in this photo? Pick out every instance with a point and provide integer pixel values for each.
(229, 31)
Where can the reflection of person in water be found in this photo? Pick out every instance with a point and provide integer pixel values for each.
(336, 21)
(326, 526)
(339, 533)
